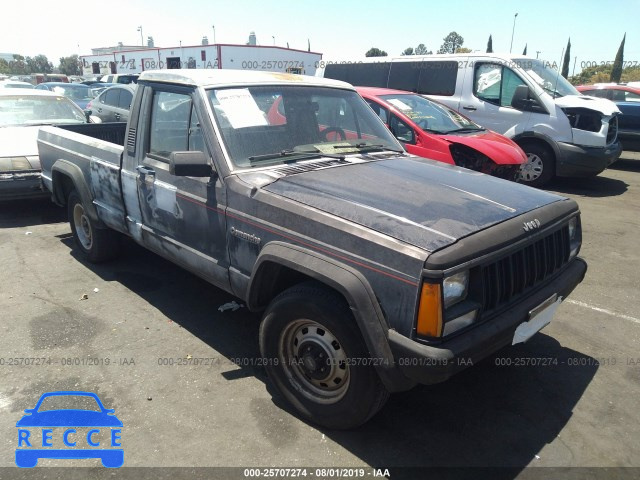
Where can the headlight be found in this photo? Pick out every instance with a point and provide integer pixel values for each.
(573, 228)
(454, 288)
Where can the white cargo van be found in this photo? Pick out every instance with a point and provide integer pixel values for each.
(562, 132)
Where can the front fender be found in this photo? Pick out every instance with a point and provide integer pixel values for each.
(350, 283)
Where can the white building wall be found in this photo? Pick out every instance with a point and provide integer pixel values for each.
(232, 56)
(271, 59)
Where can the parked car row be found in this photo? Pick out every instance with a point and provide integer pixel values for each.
(562, 132)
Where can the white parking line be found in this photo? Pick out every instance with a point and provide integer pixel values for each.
(604, 310)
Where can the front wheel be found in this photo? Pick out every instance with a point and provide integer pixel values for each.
(315, 355)
(540, 166)
(96, 244)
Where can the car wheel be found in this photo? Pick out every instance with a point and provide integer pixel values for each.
(315, 355)
(540, 166)
(96, 244)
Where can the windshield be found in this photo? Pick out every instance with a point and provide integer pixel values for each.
(547, 77)
(75, 92)
(267, 125)
(428, 115)
(37, 110)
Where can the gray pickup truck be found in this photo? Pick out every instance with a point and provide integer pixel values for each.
(376, 269)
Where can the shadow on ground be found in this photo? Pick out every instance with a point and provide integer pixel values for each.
(497, 413)
(626, 165)
(599, 186)
(23, 213)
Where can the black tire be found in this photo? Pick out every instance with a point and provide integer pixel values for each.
(96, 244)
(306, 329)
(540, 167)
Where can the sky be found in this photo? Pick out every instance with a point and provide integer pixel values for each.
(336, 28)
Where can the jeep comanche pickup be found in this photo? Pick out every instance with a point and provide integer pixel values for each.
(376, 269)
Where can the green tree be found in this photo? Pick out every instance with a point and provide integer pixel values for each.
(463, 50)
(407, 51)
(70, 65)
(4, 66)
(524, 52)
(422, 50)
(490, 45)
(375, 52)
(567, 59)
(17, 66)
(452, 42)
(39, 64)
(616, 71)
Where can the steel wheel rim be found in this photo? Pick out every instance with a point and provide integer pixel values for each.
(531, 170)
(314, 361)
(82, 226)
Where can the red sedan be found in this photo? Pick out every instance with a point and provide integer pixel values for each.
(432, 130)
(615, 93)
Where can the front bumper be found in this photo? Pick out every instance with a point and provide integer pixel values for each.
(577, 161)
(429, 364)
(21, 184)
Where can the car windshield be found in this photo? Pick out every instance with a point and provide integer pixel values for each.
(428, 115)
(16, 85)
(68, 402)
(267, 125)
(547, 77)
(75, 92)
(38, 110)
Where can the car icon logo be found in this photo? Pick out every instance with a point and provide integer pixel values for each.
(37, 439)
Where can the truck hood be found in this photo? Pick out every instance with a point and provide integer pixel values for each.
(422, 202)
(495, 146)
(603, 105)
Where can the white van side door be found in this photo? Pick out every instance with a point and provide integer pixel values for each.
(488, 90)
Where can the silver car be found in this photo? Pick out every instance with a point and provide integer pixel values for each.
(22, 112)
(112, 104)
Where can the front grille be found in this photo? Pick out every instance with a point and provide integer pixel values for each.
(612, 133)
(506, 279)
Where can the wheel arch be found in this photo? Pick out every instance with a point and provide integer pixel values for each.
(301, 264)
(540, 139)
(67, 176)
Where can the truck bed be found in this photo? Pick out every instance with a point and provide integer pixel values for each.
(89, 151)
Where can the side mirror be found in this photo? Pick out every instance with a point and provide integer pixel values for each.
(522, 100)
(94, 119)
(189, 164)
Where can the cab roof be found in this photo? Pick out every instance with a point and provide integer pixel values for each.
(227, 77)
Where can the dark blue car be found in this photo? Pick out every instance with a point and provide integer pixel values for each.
(28, 457)
(78, 93)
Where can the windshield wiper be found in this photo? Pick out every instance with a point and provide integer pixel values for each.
(362, 146)
(466, 129)
(304, 154)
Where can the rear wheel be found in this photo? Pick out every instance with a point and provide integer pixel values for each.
(315, 355)
(540, 166)
(96, 244)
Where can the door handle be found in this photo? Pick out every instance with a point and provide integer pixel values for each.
(117, 116)
(470, 107)
(145, 170)
(148, 173)
(99, 110)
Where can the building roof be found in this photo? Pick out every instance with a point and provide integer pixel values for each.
(224, 77)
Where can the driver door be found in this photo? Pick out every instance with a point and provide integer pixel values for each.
(183, 218)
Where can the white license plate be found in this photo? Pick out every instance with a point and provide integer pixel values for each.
(539, 318)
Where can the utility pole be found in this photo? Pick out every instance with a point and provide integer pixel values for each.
(513, 31)
(214, 33)
(141, 37)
